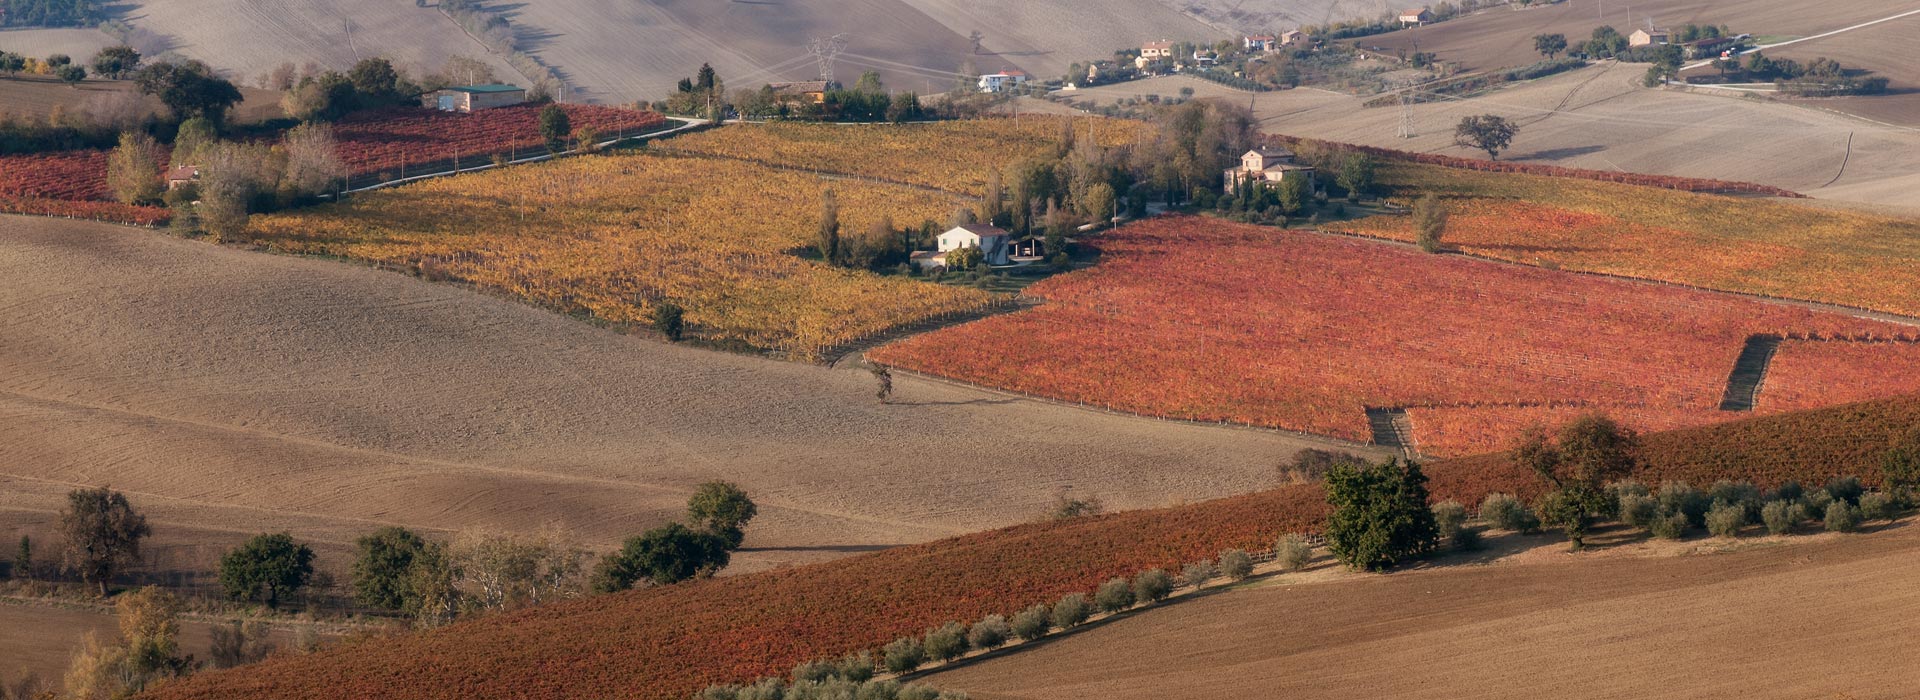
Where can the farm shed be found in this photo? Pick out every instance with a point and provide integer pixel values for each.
(468, 98)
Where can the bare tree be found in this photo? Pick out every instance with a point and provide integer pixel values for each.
(501, 572)
(313, 160)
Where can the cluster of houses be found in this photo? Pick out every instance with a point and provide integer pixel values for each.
(1203, 57)
(1720, 46)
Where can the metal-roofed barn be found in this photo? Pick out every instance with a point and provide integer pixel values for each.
(467, 98)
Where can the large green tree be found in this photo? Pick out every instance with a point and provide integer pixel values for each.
(116, 61)
(1487, 132)
(383, 572)
(1380, 514)
(103, 534)
(266, 568)
(189, 89)
(663, 556)
(721, 508)
(1576, 465)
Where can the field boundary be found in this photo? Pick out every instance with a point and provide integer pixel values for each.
(1116, 411)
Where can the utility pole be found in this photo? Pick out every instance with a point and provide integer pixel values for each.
(1406, 112)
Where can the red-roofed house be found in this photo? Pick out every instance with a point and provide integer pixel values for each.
(1156, 49)
(181, 175)
(1415, 17)
(1262, 42)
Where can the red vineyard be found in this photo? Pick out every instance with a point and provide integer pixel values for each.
(69, 175)
(668, 643)
(1203, 320)
(407, 138)
(373, 144)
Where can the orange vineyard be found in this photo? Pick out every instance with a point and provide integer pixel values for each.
(1770, 248)
(950, 155)
(611, 236)
(1199, 319)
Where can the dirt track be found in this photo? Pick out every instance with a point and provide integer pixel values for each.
(1811, 617)
(231, 393)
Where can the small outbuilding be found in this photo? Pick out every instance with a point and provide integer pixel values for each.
(469, 98)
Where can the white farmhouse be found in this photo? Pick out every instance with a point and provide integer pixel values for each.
(1272, 164)
(1002, 81)
(993, 242)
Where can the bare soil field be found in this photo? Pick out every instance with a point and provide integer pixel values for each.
(1501, 38)
(1600, 118)
(39, 43)
(36, 96)
(247, 38)
(1806, 617)
(230, 393)
(41, 639)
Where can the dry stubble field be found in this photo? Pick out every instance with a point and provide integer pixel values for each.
(1823, 617)
(230, 392)
(1600, 118)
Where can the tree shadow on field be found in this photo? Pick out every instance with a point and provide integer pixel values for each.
(1558, 154)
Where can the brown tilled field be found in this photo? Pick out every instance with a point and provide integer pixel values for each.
(250, 38)
(1502, 38)
(229, 393)
(1812, 617)
(36, 97)
(1600, 118)
(41, 640)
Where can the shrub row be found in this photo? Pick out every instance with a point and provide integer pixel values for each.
(854, 673)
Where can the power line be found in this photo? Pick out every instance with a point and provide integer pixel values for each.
(825, 51)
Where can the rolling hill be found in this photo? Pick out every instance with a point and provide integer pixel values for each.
(230, 392)
(637, 644)
(611, 51)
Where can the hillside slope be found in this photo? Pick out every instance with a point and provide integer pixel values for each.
(1599, 625)
(1600, 118)
(615, 51)
(666, 643)
(231, 392)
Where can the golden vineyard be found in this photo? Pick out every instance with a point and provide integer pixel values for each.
(610, 236)
(950, 155)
